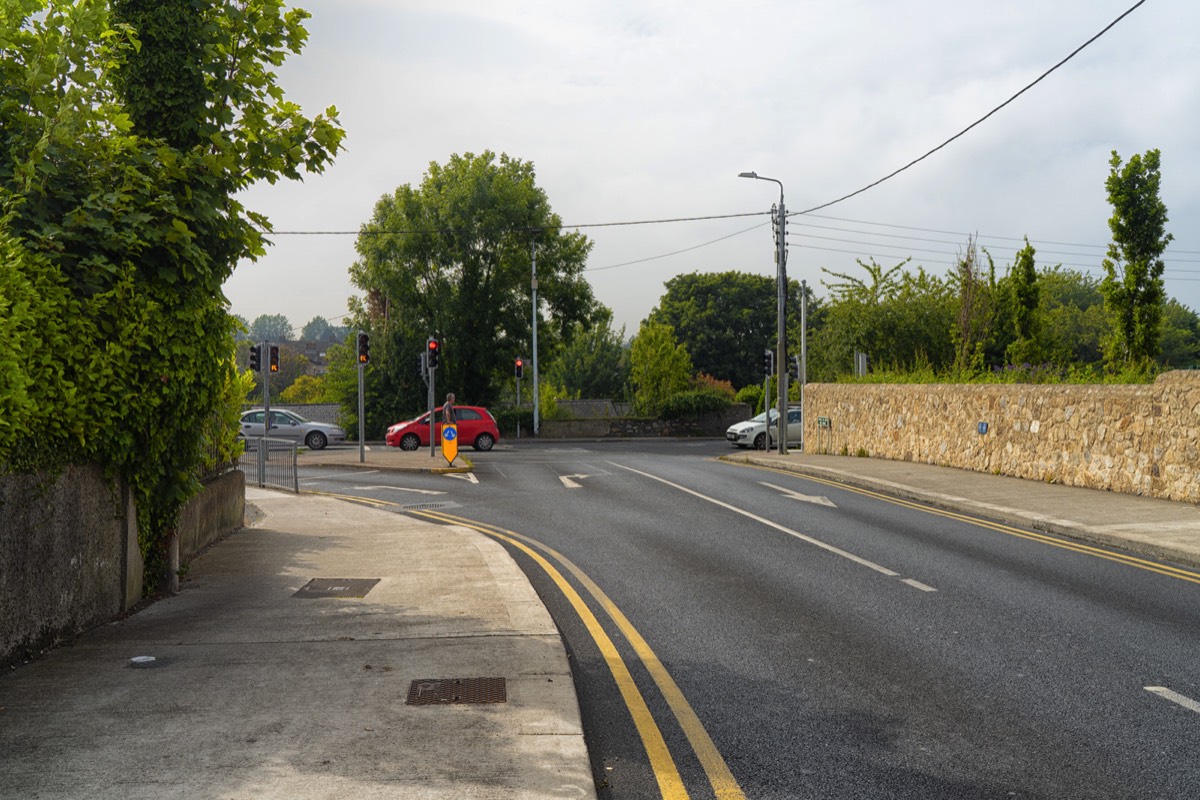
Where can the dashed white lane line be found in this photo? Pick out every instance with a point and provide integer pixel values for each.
(916, 584)
(1174, 697)
(783, 529)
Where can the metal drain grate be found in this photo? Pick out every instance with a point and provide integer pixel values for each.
(423, 506)
(443, 691)
(337, 587)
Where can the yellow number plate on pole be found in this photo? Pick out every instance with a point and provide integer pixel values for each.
(450, 442)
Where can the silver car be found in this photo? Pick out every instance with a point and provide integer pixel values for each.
(753, 432)
(290, 425)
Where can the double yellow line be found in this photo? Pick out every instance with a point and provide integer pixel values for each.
(1064, 544)
(670, 784)
(666, 773)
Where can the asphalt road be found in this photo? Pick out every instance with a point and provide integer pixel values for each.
(738, 632)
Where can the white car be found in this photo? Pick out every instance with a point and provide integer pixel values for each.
(290, 425)
(753, 432)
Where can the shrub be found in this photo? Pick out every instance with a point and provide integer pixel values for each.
(695, 402)
(751, 396)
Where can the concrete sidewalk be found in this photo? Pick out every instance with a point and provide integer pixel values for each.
(1158, 528)
(258, 693)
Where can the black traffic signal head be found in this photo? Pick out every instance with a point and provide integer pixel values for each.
(519, 367)
(433, 350)
(769, 363)
(274, 358)
(364, 348)
(255, 357)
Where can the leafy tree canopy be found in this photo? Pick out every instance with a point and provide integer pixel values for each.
(726, 320)
(659, 367)
(452, 258)
(1133, 284)
(595, 364)
(125, 139)
(271, 328)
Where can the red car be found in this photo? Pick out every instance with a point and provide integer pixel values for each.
(476, 427)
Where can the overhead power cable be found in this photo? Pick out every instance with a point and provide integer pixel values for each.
(531, 229)
(978, 121)
(677, 252)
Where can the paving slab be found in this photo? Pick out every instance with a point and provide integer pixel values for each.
(256, 692)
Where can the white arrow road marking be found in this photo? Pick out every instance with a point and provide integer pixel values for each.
(807, 498)
(396, 489)
(570, 484)
(1175, 697)
(469, 477)
(802, 537)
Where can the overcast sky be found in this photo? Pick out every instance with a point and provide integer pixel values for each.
(645, 110)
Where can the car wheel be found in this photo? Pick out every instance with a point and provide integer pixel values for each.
(760, 442)
(484, 441)
(316, 440)
(409, 441)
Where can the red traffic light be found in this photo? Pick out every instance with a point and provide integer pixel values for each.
(432, 350)
(519, 368)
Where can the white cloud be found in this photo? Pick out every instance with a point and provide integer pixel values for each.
(634, 110)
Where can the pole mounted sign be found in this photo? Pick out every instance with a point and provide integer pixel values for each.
(450, 442)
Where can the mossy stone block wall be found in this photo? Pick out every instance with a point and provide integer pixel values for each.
(1141, 439)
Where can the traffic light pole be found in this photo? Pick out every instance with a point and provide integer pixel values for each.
(362, 444)
(266, 373)
(781, 346)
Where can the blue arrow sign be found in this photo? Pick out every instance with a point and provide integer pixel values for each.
(449, 434)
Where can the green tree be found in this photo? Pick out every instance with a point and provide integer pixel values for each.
(126, 141)
(271, 328)
(1016, 317)
(453, 256)
(306, 389)
(659, 367)
(725, 320)
(1071, 325)
(970, 331)
(318, 329)
(595, 363)
(900, 319)
(1133, 284)
(1180, 336)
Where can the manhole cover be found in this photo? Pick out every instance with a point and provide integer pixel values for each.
(442, 691)
(337, 587)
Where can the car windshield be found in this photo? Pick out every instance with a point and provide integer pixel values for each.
(763, 416)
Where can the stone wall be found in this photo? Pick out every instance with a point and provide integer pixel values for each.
(1141, 439)
(705, 425)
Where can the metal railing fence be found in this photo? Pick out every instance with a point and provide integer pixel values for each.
(271, 462)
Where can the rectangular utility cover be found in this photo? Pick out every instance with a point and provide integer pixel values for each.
(444, 691)
(337, 587)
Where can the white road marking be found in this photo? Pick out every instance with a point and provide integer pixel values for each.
(570, 484)
(397, 489)
(918, 585)
(805, 498)
(1174, 697)
(815, 542)
(469, 477)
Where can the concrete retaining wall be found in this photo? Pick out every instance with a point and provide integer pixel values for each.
(1142, 439)
(65, 557)
(69, 555)
(217, 511)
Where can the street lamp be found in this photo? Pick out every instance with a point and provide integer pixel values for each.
(781, 311)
